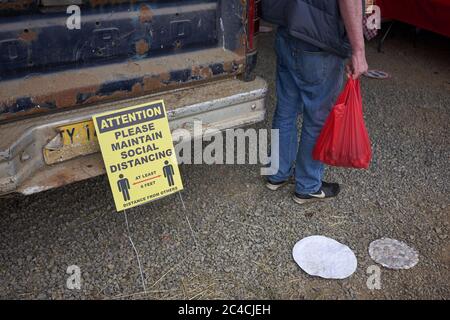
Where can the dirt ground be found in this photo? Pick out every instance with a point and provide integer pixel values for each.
(234, 240)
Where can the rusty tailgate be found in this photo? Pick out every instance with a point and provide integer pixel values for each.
(123, 50)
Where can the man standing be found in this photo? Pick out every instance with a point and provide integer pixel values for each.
(314, 39)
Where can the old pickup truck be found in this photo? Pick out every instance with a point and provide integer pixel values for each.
(196, 55)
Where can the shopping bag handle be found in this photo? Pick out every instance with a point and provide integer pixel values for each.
(349, 89)
(354, 88)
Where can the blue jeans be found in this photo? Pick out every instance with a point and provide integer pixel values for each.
(308, 82)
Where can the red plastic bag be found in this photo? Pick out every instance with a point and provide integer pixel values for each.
(344, 141)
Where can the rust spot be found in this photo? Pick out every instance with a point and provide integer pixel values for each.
(195, 70)
(242, 45)
(16, 5)
(64, 98)
(228, 66)
(97, 3)
(136, 89)
(133, 67)
(28, 35)
(177, 44)
(152, 83)
(146, 14)
(113, 96)
(164, 76)
(202, 72)
(142, 47)
(206, 73)
(61, 98)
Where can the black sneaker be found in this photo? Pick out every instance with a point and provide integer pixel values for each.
(274, 186)
(328, 190)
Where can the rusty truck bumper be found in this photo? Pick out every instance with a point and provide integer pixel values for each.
(25, 169)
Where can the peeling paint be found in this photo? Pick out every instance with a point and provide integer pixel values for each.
(145, 14)
(28, 35)
(141, 71)
(142, 47)
(18, 5)
(99, 3)
(34, 189)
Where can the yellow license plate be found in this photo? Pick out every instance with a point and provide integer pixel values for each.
(73, 140)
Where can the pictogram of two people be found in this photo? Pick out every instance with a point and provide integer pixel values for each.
(123, 184)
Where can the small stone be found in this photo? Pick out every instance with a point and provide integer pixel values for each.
(41, 296)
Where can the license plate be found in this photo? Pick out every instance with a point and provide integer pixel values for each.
(73, 140)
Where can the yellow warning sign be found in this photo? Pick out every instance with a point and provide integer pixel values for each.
(138, 152)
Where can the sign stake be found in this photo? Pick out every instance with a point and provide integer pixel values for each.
(135, 251)
(187, 219)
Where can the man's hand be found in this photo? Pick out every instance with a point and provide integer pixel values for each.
(351, 11)
(357, 65)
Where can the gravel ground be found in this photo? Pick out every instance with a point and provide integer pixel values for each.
(242, 234)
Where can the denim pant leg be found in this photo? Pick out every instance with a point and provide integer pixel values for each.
(287, 110)
(320, 77)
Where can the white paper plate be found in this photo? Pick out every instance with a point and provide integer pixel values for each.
(324, 257)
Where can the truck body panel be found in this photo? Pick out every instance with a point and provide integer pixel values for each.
(197, 55)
